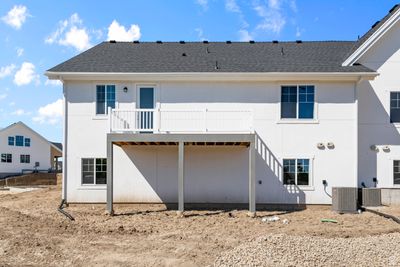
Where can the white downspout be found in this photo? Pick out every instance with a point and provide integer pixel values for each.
(65, 143)
(356, 137)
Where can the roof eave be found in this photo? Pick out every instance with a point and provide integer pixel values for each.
(375, 37)
(212, 76)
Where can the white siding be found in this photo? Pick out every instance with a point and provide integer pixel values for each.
(39, 150)
(374, 110)
(217, 174)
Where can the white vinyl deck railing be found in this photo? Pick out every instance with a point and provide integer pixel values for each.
(181, 121)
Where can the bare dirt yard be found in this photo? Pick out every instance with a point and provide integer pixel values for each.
(33, 232)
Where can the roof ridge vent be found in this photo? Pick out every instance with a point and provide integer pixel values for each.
(159, 42)
(393, 8)
(376, 23)
(205, 42)
(228, 42)
(275, 41)
(113, 41)
(181, 42)
(251, 42)
(299, 41)
(136, 42)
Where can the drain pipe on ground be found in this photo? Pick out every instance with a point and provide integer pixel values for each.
(66, 214)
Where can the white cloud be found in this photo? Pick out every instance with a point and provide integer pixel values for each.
(53, 83)
(118, 32)
(20, 112)
(203, 4)
(3, 96)
(272, 15)
(232, 6)
(71, 32)
(7, 70)
(298, 32)
(78, 38)
(244, 36)
(16, 16)
(200, 34)
(11, 104)
(20, 51)
(26, 74)
(50, 113)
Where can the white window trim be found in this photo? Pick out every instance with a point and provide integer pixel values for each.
(392, 171)
(310, 186)
(94, 185)
(7, 153)
(155, 86)
(25, 156)
(395, 124)
(94, 85)
(281, 120)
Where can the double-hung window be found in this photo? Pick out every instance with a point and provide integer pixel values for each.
(394, 107)
(297, 102)
(25, 159)
(19, 140)
(27, 142)
(105, 98)
(11, 140)
(94, 171)
(396, 172)
(296, 171)
(6, 158)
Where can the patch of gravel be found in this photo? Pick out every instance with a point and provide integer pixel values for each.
(285, 250)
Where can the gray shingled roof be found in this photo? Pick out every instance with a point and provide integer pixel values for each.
(58, 145)
(373, 29)
(152, 57)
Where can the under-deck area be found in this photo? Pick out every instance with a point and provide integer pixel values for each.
(182, 142)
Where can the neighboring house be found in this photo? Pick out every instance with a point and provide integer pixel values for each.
(23, 149)
(227, 122)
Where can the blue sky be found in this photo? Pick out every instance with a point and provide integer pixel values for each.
(36, 35)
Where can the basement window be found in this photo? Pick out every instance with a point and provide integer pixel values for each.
(25, 158)
(396, 172)
(94, 171)
(105, 98)
(6, 158)
(297, 102)
(296, 172)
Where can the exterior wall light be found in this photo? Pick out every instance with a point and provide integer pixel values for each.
(321, 146)
(374, 148)
(125, 89)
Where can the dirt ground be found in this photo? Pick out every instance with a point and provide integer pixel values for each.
(33, 232)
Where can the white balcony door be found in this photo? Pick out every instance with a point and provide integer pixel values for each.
(146, 99)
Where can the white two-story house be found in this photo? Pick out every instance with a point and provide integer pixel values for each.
(24, 150)
(232, 122)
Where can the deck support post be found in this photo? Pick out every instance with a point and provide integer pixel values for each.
(181, 185)
(252, 178)
(110, 193)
